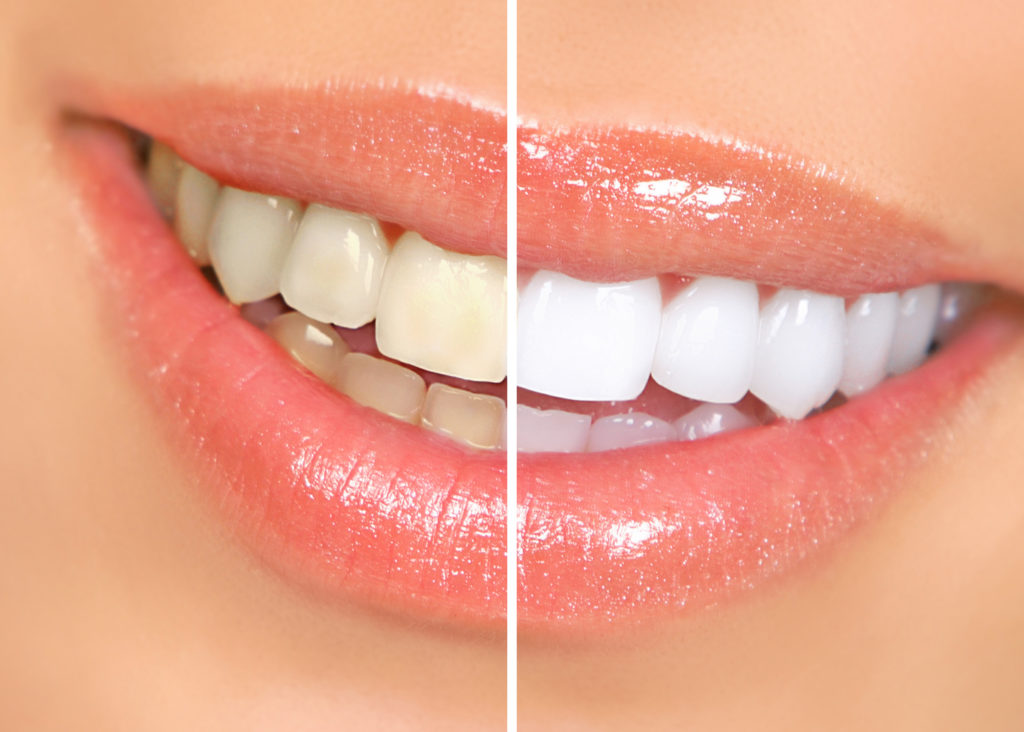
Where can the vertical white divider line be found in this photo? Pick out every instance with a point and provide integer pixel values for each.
(511, 439)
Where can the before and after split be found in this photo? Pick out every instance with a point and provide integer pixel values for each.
(529, 365)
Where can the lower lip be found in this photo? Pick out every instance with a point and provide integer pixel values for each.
(339, 498)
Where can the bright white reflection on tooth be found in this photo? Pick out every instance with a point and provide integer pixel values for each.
(799, 351)
(915, 327)
(193, 212)
(249, 240)
(958, 300)
(589, 341)
(552, 430)
(443, 311)
(707, 341)
(162, 172)
(334, 268)
(317, 346)
(870, 324)
(711, 419)
(628, 430)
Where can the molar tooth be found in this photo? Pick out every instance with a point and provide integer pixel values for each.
(162, 171)
(249, 239)
(193, 211)
(712, 419)
(707, 340)
(317, 346)
(552, 430)
(870, 324)
(334, 268)
(589, 341)
(799, 351)
(915, 326)
(443, 311)
(628, 430)
(382, 385)
(472, 419)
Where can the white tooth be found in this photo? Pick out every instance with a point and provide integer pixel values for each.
(466, 417)
(628, 430)
(959, 299)
(870, 323)
(193, 212)
(799, 351)
(711, 419)
(552, 430)
(443, 311)
(590, 341)
(249, 240)
(334, 268)
(317, 346)
(162, 172)
(707, 341)
(915, 326)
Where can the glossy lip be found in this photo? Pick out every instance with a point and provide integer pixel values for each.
(337, 497)
(622, 537)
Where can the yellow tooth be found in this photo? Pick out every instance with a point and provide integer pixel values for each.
(193, 212)
(473, 419)
(316, 346)
(162, 173)
(443, 311)
(382, 385)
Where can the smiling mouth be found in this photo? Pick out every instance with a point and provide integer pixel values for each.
(672, 289)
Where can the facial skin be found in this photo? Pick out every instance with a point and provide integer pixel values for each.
(913, 621)
(127, 603)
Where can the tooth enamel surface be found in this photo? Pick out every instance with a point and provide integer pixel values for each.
(870, 324)
(799, 351)
(382, 385)
(249, 240)
(472, 419)
(587, 341)
(552, 430)
(711, 419)
(193, 211)
(162, 172)
(317, 346)
(707, 341)
(915, 327)
(628, 430)
(334, 267)
(957, 301)
(443, 311)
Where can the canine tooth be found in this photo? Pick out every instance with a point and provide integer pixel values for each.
(711, 419)
(707, 341)
(628, 430)
(162, 171)
(870, 324)
(590, 341)
(552, 430)
(382, 385)
(249, 240)
(915, 326)
(473, 419)
(334, 267)
(799, 351)
(443, 311)
(193, 212)
(317, 346)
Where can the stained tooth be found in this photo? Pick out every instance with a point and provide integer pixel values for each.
(628, 430)
(799, 351)
(382, 385)
(162, 172)
(707, 341)
(317, 346)
(552, 430)
(193, 212)
(711, 419)
(915, 326)
(588, 341)
(249, 240)
(870, 323)
(334, 268)
(958, 300)
(443, 311)
(473, 419)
